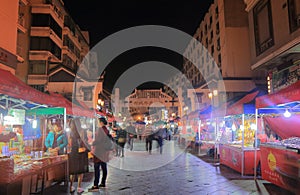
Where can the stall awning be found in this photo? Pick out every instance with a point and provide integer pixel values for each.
(284, 127)
(13, 88)
(45, 111)
(243, 106)
(71, 109)
(288, 95)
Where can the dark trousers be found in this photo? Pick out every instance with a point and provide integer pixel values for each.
(148, 145)
(97, 172)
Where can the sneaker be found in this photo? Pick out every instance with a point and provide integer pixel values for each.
(102, 185)
(80, 190)
(72, 189)
(94, 189)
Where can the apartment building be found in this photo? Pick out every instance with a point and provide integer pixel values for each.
(10, 28)
(51, 47)
(274, 27)
(219, 55)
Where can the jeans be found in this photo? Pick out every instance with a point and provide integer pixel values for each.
(97, 172)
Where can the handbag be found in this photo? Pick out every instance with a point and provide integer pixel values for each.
(121, 140)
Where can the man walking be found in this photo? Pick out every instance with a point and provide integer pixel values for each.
(101, 155)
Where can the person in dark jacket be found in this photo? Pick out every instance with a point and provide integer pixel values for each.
(122, 136)
(78, 157)
(101, 155)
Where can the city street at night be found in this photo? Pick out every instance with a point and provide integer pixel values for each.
(150, 97)
(186, 174)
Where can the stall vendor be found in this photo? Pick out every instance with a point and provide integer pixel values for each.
(56, 139)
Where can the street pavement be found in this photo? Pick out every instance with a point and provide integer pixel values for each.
(173, 172)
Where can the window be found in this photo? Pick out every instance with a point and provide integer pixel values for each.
(45, 43)
(212, 50)
(217, 12)
(294, 14)
(38, 87)
(46, 20)
(218, 44)
(263, 28)
(219, 60)
(87, 94)
(217, 28)
(37, 67)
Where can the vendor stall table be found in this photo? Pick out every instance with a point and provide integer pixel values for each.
(281, 166)
(34, 176)
(231, 156)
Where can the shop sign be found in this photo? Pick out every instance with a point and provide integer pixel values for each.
(8, 58)
(284, 78)
(18, 116)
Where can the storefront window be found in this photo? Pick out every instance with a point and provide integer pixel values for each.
(263, 28)
(294, 14)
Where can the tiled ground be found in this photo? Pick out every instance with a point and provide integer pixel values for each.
(173, 172)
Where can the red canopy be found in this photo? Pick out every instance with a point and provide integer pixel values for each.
(72, 109)
(238, 107)
(286, 95)
(284, 127)
(12, 86)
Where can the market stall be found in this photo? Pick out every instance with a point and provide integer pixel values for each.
(280, 155)
(25, 116)
(237, 131)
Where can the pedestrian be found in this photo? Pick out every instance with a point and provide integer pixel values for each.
(114, 134)
(78, 157)
(149, 138)
(56, 140)
(158, 136)
(101, 155)
(122, 135)
(131, 135)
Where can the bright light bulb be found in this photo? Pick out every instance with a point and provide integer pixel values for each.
(34, 124)
(287, 114)
(233, 127)
(253, 126)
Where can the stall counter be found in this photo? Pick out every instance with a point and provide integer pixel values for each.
(281, 166)
(231, 156)
(33, 176)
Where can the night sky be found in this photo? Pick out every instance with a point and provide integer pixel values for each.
(103, 18)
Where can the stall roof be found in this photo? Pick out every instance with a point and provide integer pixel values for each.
(245, 105)
(45, 111)
(284, 127)
(71, 109)
(287, 97)
(16, 93)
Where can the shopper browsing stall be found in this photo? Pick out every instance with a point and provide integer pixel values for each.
(56, 140)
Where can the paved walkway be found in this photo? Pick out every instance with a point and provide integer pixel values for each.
(173, 172)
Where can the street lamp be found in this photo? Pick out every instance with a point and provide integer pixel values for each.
(100, 104)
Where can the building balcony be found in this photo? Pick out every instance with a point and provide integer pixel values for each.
(20, 53)
(73, 37)
(42, 55)
(37, 79)
(67, 51)
(46, 32)
(21, 23)
(49, 9)
(23, 2)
